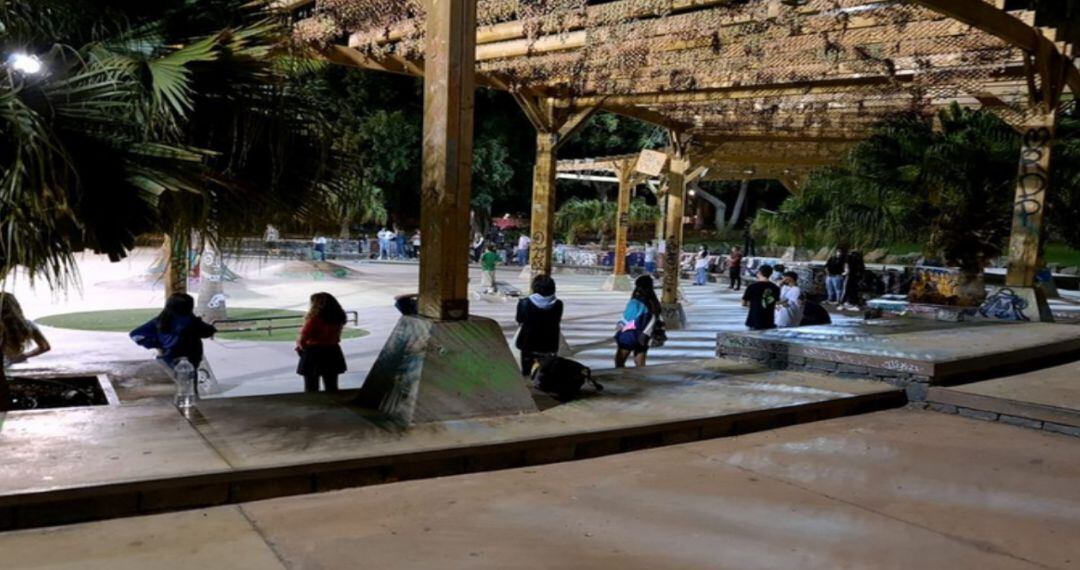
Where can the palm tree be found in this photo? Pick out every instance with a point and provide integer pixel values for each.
(577, 217)
(168, 116)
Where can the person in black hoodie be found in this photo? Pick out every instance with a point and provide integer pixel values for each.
(540, 317)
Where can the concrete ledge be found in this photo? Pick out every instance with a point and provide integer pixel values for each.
(105, 501)
(1029, 411)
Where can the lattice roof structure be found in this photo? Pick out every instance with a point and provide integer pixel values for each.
(724, 71)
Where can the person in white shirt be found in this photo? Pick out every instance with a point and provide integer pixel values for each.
(650, 258)
(789, 309)
(701, 266)
(384, 243)
(523, 249)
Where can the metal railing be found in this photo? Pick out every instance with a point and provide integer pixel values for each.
(353, 317)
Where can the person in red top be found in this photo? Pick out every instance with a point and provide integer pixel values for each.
(734, 263)
(319, 345)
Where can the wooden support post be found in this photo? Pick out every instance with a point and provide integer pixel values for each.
(676, 208)
(1029, 206)
(444, 364)
(543, 205)
(622, 217)
(680, 168)
(449, 84)
(620, 278)
(554, 123)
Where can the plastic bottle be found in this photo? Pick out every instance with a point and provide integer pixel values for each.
(184, 375)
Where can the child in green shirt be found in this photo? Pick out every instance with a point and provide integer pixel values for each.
(488, 262)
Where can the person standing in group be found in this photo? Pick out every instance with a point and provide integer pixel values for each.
(834, 275)
(271, 237)
(399, 243)
(748, 237)
(854, 270)
(416, 245)
(478, 248)
(16, 334)
(778, 274)
(488, 263)
(734, 265)
(760, 298)
(650, 258)
(789, 309)
(641, 321)
(176, 332)
(523, 249)
(319, 344)
(701, 266)
(384, 243)
(540, 319)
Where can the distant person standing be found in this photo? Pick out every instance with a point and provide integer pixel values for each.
(734, 265)
(478, 248)
(834, 275)
(488, 264)
(271, 237)
(524, 243)
(319, 345)
(399, 243)
(384, 243)
(416, 245)
(854, 271)
(789, 309)
(748, 238)
(319, 246)
(760, 298)
(650, 258)
(701, 266)
(540, 318)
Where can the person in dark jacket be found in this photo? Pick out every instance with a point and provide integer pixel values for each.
(639, 323)
(319, 345)
(176, 332)
(540, 317)
(834, 275)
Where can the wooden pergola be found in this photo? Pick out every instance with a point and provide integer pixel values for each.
(718, 74)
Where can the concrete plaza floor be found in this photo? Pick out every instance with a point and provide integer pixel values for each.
(898, 489)
(246, 368)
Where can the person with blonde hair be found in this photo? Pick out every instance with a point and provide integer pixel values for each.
(17, 333)
(319, 345)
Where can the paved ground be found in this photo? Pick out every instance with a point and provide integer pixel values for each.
(899, 489)
(64, 448)
(254, 368)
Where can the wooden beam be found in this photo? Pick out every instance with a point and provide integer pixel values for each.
(676, 208)
(627, 177)
(449, 91)
(543, 204)
(1029, 206)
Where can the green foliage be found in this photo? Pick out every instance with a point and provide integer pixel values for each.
(1064, 196)
(951, 188)
(178, 116)
(578, 217)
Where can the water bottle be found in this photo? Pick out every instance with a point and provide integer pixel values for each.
(184, 375)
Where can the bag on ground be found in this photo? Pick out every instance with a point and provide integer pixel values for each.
(562, 377)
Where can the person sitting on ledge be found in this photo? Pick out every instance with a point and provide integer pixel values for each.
(16, 333)
(176, 332)
(540, 318)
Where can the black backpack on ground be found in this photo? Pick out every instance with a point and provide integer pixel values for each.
(562, 377)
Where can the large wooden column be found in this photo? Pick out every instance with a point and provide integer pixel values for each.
(674, 315)
(443, 364)
(1029, 206)
(620, 276)
(543, 204)
(555, 121)
(449, 91)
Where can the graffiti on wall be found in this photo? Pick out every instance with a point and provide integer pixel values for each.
(1005, 305)
(1031, 194)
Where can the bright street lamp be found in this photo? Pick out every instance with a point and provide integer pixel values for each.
(25, 64)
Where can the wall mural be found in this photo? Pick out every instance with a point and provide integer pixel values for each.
(1005, 305)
